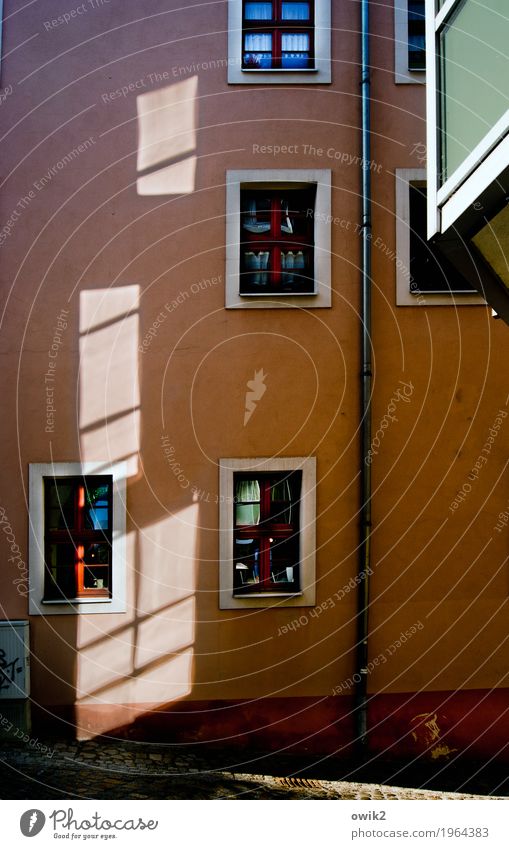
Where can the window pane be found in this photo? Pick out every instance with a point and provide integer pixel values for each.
(97, 504)
(255, 269)
(295, 274)
(247, 512)
(281, 506)
(295, 11)
(257, 50)
(247, 490)
(475, 69)
(60, 497)
(60, 571)
(256, 213)
(284, 560)
(97, 572)
(295, 60)
(295, 41)
(246, 556)
(258, 11)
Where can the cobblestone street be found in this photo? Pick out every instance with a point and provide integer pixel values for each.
(128, 770)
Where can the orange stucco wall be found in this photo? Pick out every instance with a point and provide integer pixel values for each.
(113, 231)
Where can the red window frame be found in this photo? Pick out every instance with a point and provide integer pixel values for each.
(275, 240)
(277, 27)
(77, 536)
(270, 529)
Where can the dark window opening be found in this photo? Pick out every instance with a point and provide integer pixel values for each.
(416, 35)
(278, 35)
(277, 241)
(78, 537)
(430, 271)
(266, 546)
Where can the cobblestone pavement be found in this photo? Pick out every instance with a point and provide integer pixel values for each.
(128, 770)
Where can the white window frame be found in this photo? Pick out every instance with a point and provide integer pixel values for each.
(402, 73)
(115, 604)
(320, 74)
(479, 168)
(235, 181)
(307, 534)
(404, 297)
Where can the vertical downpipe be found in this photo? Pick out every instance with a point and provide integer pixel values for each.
(365, 507)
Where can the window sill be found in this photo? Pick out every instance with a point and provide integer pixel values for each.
(278, 294)
(279, 70)
(247, 596)
(96, 600)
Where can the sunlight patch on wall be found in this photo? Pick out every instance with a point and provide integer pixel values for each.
(109, 395)
(167, 139)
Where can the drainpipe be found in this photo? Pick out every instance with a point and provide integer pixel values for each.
(365, 508)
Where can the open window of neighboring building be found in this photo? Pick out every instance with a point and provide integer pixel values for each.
(267, 532)
(409, 41)
(279, 41)
(77, 538)
(278, 238)
(424, 277)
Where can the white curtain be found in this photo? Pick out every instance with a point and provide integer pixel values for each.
(260, 11)
(258, 263)
(247, 514)
(258, 41)
(295, 11)
(295, 42)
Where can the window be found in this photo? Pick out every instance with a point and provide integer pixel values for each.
(278, 238)
(77, 537)
(409, 41)
(267, 518)
(281, 37)
(424, 276)
(277, 241)
(266, 532)
(277, 35)
(416, 36)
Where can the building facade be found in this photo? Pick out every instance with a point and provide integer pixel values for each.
(181, 329)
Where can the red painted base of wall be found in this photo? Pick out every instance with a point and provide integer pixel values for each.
(440, 726)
